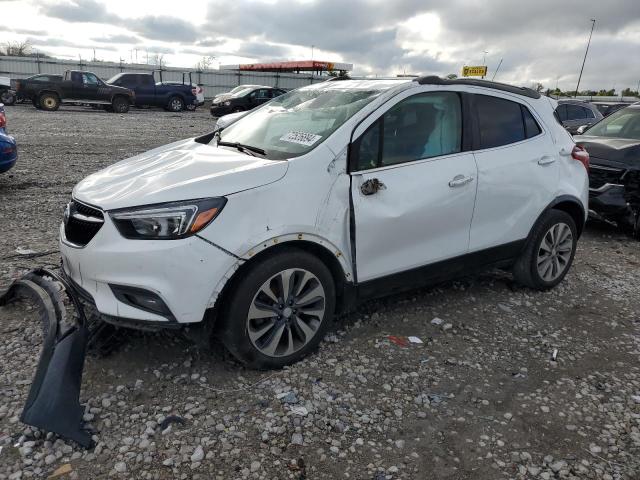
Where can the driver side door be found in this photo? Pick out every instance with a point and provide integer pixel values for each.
(413, 186)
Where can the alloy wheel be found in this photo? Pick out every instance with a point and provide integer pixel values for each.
(286, 312)
(554, 253)
(176, 105)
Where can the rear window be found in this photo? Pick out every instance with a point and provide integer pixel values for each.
(500, 121)
(503, 122)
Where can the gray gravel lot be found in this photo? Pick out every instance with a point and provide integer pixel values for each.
(481, 398)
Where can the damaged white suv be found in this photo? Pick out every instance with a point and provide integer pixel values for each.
(327, 195)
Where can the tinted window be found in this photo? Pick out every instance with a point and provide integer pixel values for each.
(589, 113)
(423, 126)
(531, 127)
(575, 112)
(500, 121)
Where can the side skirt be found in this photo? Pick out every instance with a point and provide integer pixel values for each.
(500, 256)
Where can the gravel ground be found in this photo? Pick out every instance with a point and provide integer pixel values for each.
(482, 397)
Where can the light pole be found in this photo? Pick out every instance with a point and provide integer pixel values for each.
(593, 24)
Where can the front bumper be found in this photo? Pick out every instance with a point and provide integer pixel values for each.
(182, 273)
(219, 110)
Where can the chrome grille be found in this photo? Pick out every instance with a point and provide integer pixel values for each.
(81, 223)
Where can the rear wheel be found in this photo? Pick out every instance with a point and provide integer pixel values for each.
(49, 102)
(279, 310)
(120, 105)
(549, 252)
(176, 104)
(8, 97)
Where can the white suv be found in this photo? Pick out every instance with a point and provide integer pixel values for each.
(325, 196)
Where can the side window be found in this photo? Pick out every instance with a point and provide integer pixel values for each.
(422, 126)
(562, 112)
(575, 112)
(89, 79)
(531, 127)
(500, 121)
(76, 77)
(146, 80)
(589, 113)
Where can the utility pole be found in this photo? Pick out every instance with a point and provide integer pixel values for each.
(593, 24)
(496, 72)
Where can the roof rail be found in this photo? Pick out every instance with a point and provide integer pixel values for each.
(434, 80)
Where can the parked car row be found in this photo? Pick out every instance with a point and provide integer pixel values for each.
(48, 91)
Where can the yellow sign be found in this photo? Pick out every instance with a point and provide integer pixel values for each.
(474, 71)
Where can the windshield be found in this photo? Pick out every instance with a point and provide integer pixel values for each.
(294, 123)
(624, 123)
(242, 92)
(114, 78)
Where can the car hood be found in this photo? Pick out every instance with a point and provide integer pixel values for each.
(620, 150)
(222, 97)
(183, 170)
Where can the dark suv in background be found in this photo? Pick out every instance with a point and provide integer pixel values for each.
(244, 99)
(574, 114)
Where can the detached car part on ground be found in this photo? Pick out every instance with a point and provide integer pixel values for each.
(614, 146)
(76, 87)
(328, 195)
(8, 147)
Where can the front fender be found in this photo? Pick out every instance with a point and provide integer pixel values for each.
(279, 240)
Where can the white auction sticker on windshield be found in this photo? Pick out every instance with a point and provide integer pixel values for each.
(303, 138)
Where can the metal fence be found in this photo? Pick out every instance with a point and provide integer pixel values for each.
(212, 81)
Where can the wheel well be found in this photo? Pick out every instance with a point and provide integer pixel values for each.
(322, 253)
(573, 209)
(120, 95)
(50, 92)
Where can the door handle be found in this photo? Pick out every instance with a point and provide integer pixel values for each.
(371, 186)
(460, 180)
(546, 160)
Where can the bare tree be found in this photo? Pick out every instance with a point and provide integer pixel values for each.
(205, 62)
(17, 49)
(156, 59)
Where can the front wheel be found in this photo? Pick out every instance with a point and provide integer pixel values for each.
(549, 252)
(120, 105)
(279, 310)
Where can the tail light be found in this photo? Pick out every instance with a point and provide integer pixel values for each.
(194, 90)
(3, 120)
(580, 154)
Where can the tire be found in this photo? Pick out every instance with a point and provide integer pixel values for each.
(49, 102)
(120, 105)
(191, 107)
(552, 245)
(175, 104)
(252, 339)
(8, 97)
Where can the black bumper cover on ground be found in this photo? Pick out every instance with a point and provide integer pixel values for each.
(53, 403)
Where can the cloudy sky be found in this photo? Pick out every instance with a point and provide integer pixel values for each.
(541, 41)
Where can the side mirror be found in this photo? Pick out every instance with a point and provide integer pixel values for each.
(581, 129)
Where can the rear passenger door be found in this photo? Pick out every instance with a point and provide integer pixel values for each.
(146, 90)
(517, 171)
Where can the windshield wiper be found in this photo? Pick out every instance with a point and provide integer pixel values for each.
(243, 148)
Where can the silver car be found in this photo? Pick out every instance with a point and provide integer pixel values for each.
(575, 113)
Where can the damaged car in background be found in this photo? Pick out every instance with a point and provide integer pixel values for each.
(326, 196)
(614, 147)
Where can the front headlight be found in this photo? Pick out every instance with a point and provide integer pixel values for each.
(227, 103)
(167, 221)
